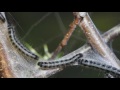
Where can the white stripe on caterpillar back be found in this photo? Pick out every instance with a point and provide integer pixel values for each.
(18, 45)
(99, 65)
(59, 63)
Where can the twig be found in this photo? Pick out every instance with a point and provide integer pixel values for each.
(112, 33)
(95, 39)
(22, 67)
(66, 38)
(107, 36)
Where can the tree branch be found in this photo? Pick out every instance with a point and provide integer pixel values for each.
(66, 38)
(107, 36)
(19, 66)
(95, 39)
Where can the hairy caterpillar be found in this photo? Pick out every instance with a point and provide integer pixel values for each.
(99, 65)
(59, 63)
(18, 45)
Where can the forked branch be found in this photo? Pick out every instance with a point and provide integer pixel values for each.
(13, 64)
(95, 39)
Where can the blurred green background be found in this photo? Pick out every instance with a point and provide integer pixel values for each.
(39, 28)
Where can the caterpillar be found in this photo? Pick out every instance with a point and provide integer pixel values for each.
(77, 58)
(99, 65)
(18, 45)
(59, 63)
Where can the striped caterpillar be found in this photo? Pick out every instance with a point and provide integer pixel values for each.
(77, 58)
(59, 63)
(18, 45)
(99, 65)
(15, 41)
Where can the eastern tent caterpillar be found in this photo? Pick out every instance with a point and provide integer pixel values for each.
(59, 63)
(99, 65)
(16, 43)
